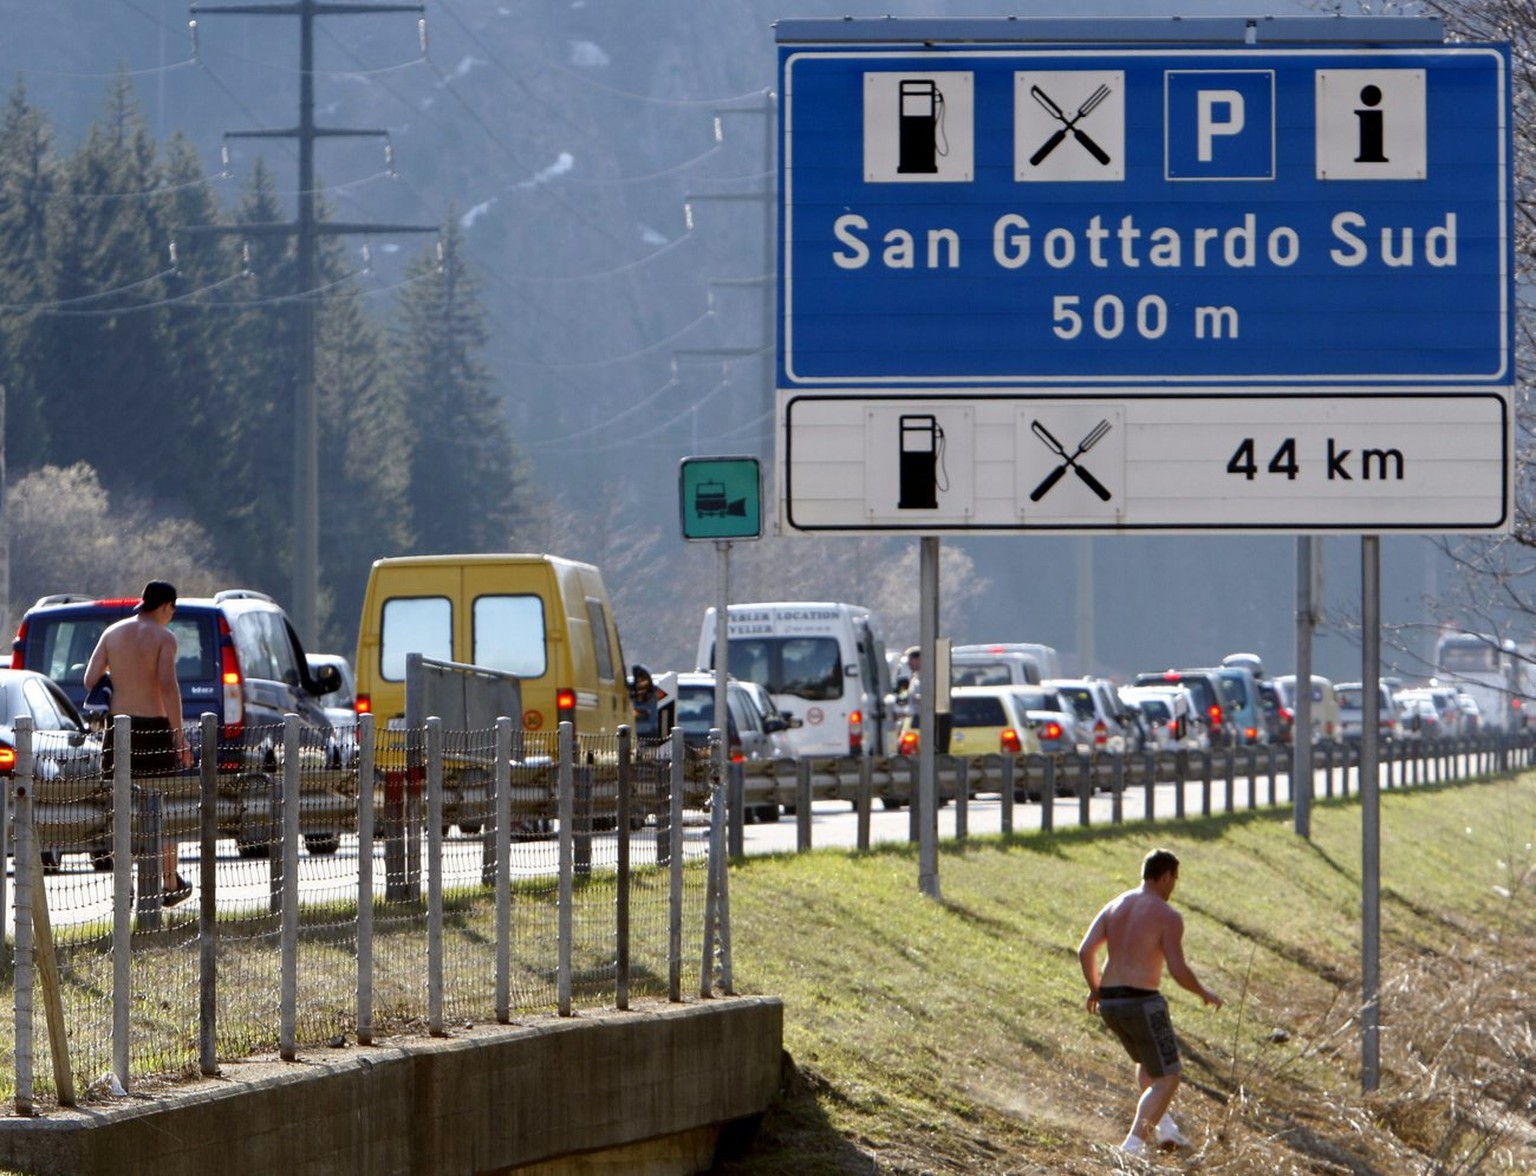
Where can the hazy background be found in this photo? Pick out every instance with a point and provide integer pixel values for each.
(610, 163)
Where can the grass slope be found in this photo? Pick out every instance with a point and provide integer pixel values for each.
(950, 1036)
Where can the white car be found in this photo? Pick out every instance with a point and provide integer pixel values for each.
(1173, 721)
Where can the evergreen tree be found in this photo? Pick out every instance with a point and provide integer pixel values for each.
(27, 175)
(108, 257)
(461, 463)
(364, 460)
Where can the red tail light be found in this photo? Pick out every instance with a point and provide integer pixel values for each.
(18, 661)
(855, 732)
(7, 760)
(1009, 742)
(1214, 711)
(364, 704)
(1051, 730)
(908, 744)
(565, 705)
(1100, 733)
(233, 688)
(1251, 734)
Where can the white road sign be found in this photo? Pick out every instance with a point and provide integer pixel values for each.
(1233, 459)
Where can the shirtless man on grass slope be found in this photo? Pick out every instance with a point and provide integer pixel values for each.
(1143, 932)
(140, 654)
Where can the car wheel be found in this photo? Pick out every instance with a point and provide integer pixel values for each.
(51, 860)
(253, 849)
(889, 802)
(768, 814)
(101, 861)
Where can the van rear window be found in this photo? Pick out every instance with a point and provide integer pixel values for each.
(61, 648)
(509, 635)
(414, 624)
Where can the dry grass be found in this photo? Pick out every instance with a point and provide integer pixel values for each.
(949, 1036)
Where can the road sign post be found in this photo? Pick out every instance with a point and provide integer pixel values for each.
(720, 499)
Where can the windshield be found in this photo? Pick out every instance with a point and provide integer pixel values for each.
(806, 667)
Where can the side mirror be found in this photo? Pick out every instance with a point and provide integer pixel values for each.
(328, 679)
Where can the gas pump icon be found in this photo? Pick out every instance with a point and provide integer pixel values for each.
(920, 457)
(920, 111)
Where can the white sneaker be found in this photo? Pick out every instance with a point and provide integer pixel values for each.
(1168, 1133)
(1133, 1146)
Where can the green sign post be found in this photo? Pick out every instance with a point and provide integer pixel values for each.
(721, 498)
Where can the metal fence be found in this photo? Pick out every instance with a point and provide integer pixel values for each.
(584, 871)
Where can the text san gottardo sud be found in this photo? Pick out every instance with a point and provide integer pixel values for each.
(1239, 241)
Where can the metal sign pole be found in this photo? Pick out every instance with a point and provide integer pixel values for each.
(927, 798)
(1301, 727)
(1370, 813)
(722, 662)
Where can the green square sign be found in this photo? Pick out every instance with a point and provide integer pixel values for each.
(721, 498)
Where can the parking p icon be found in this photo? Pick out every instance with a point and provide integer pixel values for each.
(1221, 124)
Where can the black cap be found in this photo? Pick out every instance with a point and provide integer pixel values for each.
(156, 594)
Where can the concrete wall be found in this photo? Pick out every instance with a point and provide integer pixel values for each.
(645, 1090)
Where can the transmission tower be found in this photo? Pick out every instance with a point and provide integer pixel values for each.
(307, 229)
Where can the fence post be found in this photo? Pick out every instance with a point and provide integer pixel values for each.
(434, 798)
(711, 885)
(1006, 793)
(1117, 786)
(208, 896)
(962, 797)
(621, 870)
(866, 800)
(1273, 772)
(288, 854)
(1149, 805)
(1229, 775)
(802, 805)
(581, 819)
(567, 807)
(736, 810)
(1048, 796)
(366, 758)
(122, 899)
(675, 875)
(1084, 790)
(25, 972)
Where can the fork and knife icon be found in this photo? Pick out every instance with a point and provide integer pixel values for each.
(1069, 124)
(1069, 460)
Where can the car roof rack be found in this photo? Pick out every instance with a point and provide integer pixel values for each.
(241, 594)
(64, 598)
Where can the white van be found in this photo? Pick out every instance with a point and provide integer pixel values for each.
(823, 663)
(1046, 659)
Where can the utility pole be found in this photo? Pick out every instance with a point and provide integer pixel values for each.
(306, 229)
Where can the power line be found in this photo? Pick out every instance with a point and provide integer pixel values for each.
(306, 228)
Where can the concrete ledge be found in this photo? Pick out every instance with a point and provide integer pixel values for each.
(552, 1096)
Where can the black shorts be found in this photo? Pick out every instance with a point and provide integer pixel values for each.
(152, 747)
(1141, 1022)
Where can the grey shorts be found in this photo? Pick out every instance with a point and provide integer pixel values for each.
(1140, 1020)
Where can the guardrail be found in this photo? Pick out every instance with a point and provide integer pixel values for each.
(892, 781)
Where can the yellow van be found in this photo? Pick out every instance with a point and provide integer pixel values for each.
(546, 619)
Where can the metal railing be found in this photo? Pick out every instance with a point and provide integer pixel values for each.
(1204, 781)
(591, 876)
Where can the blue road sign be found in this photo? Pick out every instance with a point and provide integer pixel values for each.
(975, 216)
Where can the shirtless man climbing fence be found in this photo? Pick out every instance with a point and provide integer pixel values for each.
(139, 652)
(1143, 933)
